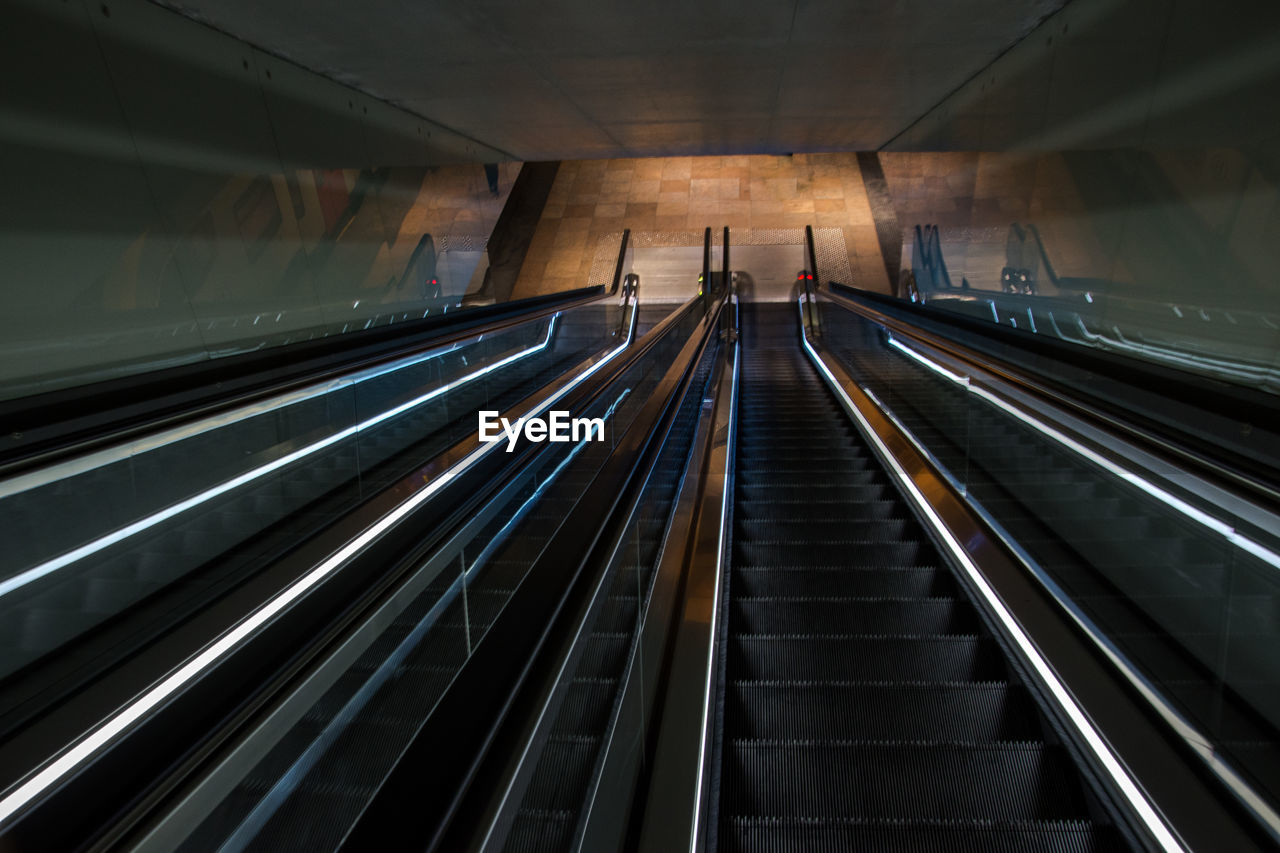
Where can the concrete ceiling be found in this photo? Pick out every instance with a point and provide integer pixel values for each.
(569, 79)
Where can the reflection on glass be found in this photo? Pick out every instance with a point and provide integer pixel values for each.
(172, 195)
(266, 260)
(1162, 255)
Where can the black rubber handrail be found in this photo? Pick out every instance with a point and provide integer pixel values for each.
(725, 272)
(815, 275)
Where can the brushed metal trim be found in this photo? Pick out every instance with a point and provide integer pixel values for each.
(676, 808)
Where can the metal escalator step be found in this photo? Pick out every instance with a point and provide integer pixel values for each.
(618, 613)
(900, 780)
(755, 412)
(484, 604)
(604, 655)
(791, 453)
(569, 759)
(796, 428)
(864, 658)
(852, 528)
(539, 830)
(908, 582)
(845, 492)
(783, 475)
(886, 551)
(802, 512)
(825, 477)
(944, 711)
(586, 705)
(829, 615)
(778, 835)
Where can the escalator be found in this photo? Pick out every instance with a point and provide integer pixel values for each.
(1201, 632)
(513, 684)
(865, 703)
(549, 814)
(174, 570)
(244, 509)
(341, 742)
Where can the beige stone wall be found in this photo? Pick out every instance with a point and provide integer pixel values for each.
(596, 199)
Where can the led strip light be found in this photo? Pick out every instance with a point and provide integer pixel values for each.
(114, 726)
(116, 453)
(89, 548)
(1199, 516)
(1127, 786)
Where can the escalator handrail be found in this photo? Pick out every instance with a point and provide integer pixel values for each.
(1184, 393)
(43, 429)
(620, 262)
(725, 272)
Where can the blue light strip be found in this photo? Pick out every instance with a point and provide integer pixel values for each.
(68, 760)
(146, 523)
(1226, 531)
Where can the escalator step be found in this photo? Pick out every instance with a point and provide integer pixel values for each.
(864, 658)
(813, 512)
(902, 780)
(846, 492)
(586, 706)
(538, 830)
(833, 473)
(570, 759)
(847, 553)
(948, 711)
(834, 616)
(780, 835)
(803, 535)
(604, 654)
(898, 582)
